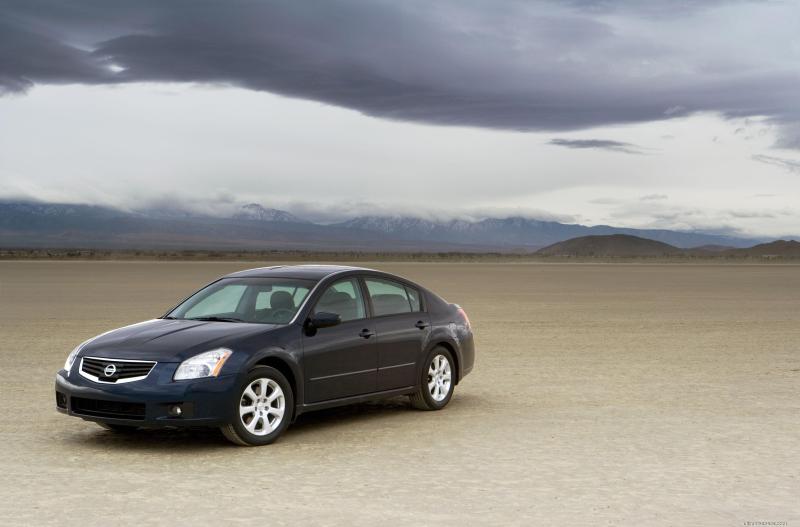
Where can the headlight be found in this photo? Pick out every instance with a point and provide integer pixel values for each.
(73, 355)
(206, 364)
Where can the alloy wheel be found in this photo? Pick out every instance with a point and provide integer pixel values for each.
(439, 378)
(262, 406)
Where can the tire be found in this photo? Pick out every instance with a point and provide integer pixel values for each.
(269, 398)
(439, 370)
(119, 429)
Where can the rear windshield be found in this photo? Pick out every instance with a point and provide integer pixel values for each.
(254, 300)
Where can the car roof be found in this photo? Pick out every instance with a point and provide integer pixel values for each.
(307, 271)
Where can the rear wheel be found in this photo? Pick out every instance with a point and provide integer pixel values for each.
(263, 408)
(437, 383)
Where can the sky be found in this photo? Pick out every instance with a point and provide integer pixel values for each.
(667, 114)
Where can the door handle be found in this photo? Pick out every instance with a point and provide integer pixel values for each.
(421, 324)
(366, 333)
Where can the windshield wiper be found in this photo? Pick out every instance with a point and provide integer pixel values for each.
(217, 319)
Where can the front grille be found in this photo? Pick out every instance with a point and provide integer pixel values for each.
(111, 409)
(114, 370)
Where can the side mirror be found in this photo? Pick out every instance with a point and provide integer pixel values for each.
(322, 320)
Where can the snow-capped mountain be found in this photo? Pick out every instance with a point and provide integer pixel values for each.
(391, 224)
(519, 232)
(254, 211)
(35, 224)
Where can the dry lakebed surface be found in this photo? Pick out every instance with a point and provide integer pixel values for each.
(603, 394)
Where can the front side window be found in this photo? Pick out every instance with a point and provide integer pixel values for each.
(254, 300)
(344, 299)
(391, 298)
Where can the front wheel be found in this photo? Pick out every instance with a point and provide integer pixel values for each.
(437, 383)
(263, 408)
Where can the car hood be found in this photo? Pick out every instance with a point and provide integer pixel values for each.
(170, 340)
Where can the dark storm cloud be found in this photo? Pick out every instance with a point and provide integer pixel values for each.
(27, 57)
(509, 65)
(787, 164)
(651, 7)
(598, 144)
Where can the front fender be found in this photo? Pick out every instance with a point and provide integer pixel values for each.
(286, 357)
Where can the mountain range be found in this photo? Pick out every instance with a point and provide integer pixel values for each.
(626, 246)
(522, 233)
(27, 224)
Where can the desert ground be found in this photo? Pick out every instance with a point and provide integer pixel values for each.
(602, 395)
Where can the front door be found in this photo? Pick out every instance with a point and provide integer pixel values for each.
(341, 361)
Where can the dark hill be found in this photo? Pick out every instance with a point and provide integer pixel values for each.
(711, 249)
(776, 249)
(613, 246)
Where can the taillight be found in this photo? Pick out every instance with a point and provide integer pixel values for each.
(464, 317)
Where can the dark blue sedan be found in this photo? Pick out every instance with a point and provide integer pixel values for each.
(253, 350)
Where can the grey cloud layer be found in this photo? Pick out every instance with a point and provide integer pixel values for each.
(598, 144)
(788, 164)
(509, 65)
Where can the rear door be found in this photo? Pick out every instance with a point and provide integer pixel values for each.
(402, 328)
(341, 361)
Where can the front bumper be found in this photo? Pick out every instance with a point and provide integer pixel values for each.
(150, 402)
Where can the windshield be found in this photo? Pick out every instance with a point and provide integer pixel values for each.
(254, 300)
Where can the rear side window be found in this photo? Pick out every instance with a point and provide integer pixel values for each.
(391, 298)
(413, 297)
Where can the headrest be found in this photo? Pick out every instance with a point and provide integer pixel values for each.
(332, 296)
(281, 300)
